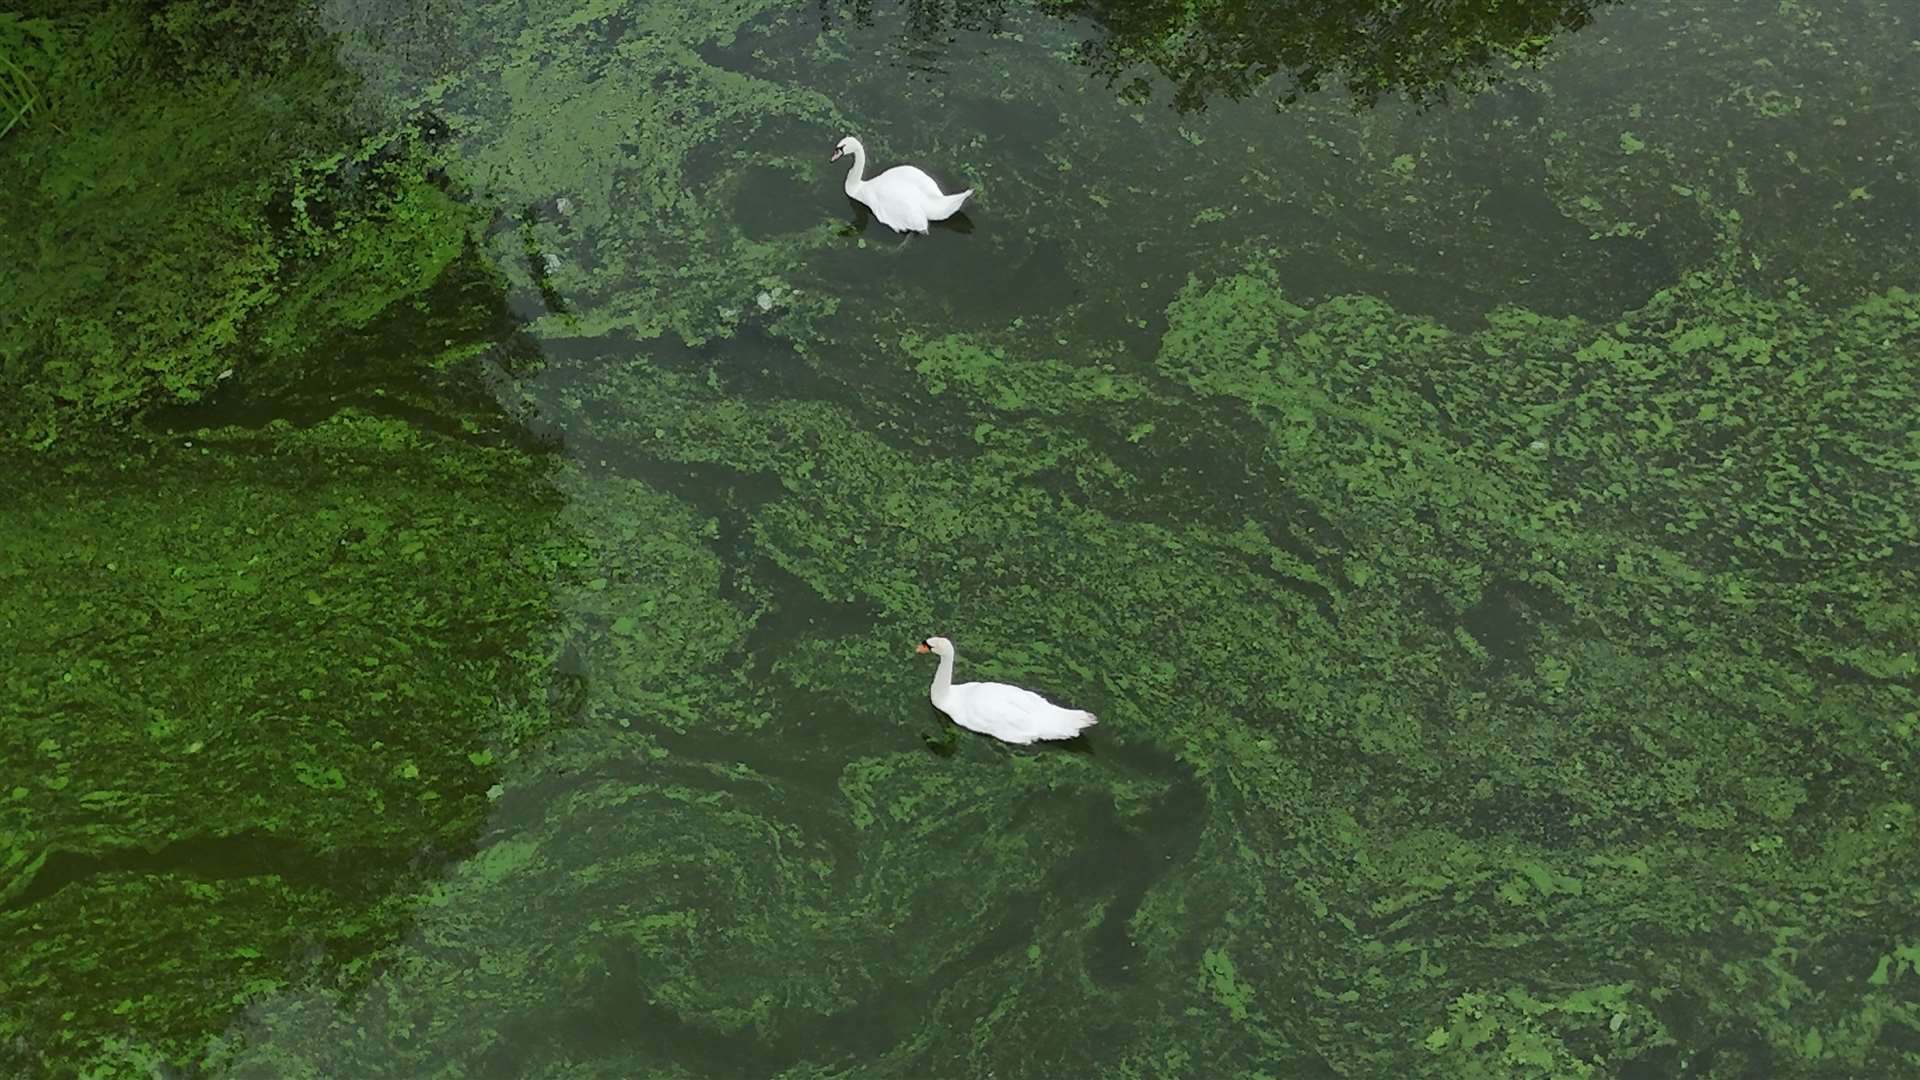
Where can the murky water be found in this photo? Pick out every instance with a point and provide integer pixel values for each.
(475, 483)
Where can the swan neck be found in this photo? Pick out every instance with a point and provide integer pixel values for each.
(856, 174)
(943, 678)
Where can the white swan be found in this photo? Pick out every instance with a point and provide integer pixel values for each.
(903, 198)
(1005, 712)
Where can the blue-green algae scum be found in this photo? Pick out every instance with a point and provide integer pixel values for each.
(473, 484)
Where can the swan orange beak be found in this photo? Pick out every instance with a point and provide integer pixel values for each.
(922, 648)
(836, 154)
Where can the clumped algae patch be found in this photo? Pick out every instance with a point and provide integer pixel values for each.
(1522, 667)
(706, 922)
(1789, 115)
(623, 158)
(713, 901)
(1454, 568)
(245, 711)
(1649, 588)
(183, 221)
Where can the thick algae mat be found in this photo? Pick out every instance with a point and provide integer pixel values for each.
(473, 485)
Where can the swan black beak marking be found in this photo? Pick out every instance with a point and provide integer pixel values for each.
(922, 648)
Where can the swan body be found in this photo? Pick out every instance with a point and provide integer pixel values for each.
(1007, 713)
(904, 198)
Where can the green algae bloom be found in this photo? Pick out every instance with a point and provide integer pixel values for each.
(472, 489)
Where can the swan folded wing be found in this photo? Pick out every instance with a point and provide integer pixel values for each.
(906, 178)
(1017, 715)
(898, 214)
(905, 199)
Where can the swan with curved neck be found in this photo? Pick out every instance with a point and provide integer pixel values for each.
(1008, 713)
(904, 198)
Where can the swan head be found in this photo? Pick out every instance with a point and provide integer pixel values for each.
(938, 646)
(848, 145)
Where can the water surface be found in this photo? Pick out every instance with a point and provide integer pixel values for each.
(475, 483)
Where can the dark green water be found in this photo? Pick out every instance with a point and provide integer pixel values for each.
(473, 483)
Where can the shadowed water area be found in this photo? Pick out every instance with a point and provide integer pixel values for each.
(473, 483)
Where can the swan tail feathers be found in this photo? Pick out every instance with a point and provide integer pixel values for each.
(952, 206)
(1072, 724)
